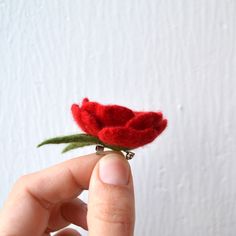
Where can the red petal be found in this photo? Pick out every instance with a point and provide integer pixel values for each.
(162, 126)
(85, 100)
(127, 137)
(75, 109)
(108, 115)
(145, 120)
(89, 123)
(85, 120)
(91, 107)
(114, 115)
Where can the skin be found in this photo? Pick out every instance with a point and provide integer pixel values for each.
(47, 201)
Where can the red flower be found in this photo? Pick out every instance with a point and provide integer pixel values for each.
(118, 125)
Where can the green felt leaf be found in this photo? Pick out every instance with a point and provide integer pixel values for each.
(79, 140)
(71, 139)
(72, 146)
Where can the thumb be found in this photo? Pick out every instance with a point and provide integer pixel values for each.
(111, 198)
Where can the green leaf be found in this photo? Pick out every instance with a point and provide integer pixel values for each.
(71, 139)
(72, 146)
(80, 140)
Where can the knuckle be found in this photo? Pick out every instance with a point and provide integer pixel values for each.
(23, 180)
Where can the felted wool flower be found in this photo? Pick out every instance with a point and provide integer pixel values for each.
(117, 125)
(112, 126)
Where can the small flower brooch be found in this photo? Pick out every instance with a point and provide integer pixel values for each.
(111, 126)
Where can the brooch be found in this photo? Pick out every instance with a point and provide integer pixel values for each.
(111, 126)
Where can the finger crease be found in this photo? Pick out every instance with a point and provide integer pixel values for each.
(42, 202)
(79, 186)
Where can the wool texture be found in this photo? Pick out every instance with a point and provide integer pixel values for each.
(118, 125)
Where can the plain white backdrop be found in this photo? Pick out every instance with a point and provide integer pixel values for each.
(169, 55)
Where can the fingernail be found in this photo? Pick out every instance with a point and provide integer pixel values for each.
(114, 169)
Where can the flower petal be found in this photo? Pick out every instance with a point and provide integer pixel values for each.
(85, 100)
(75, 109)
(85, 120)
(91, 107)
(144, 120)
(108, 115)
(114, 115)
(127, 137)
(162, 126)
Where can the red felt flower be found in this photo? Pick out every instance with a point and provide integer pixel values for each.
(117, 125)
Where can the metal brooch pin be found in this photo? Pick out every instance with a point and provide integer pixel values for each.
(100, 148)
(129, 155)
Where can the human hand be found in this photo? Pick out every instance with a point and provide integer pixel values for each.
(46, 201)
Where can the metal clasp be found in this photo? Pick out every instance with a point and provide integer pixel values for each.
(100, 148)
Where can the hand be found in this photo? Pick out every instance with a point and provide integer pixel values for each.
(46, 201)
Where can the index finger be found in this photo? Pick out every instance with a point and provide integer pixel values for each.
(27, 209)
(61, 182)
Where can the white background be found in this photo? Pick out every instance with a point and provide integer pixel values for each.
(169, 55)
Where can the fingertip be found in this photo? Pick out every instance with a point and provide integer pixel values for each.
(114, 169)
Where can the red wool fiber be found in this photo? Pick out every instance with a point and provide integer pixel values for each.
(117, 125)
